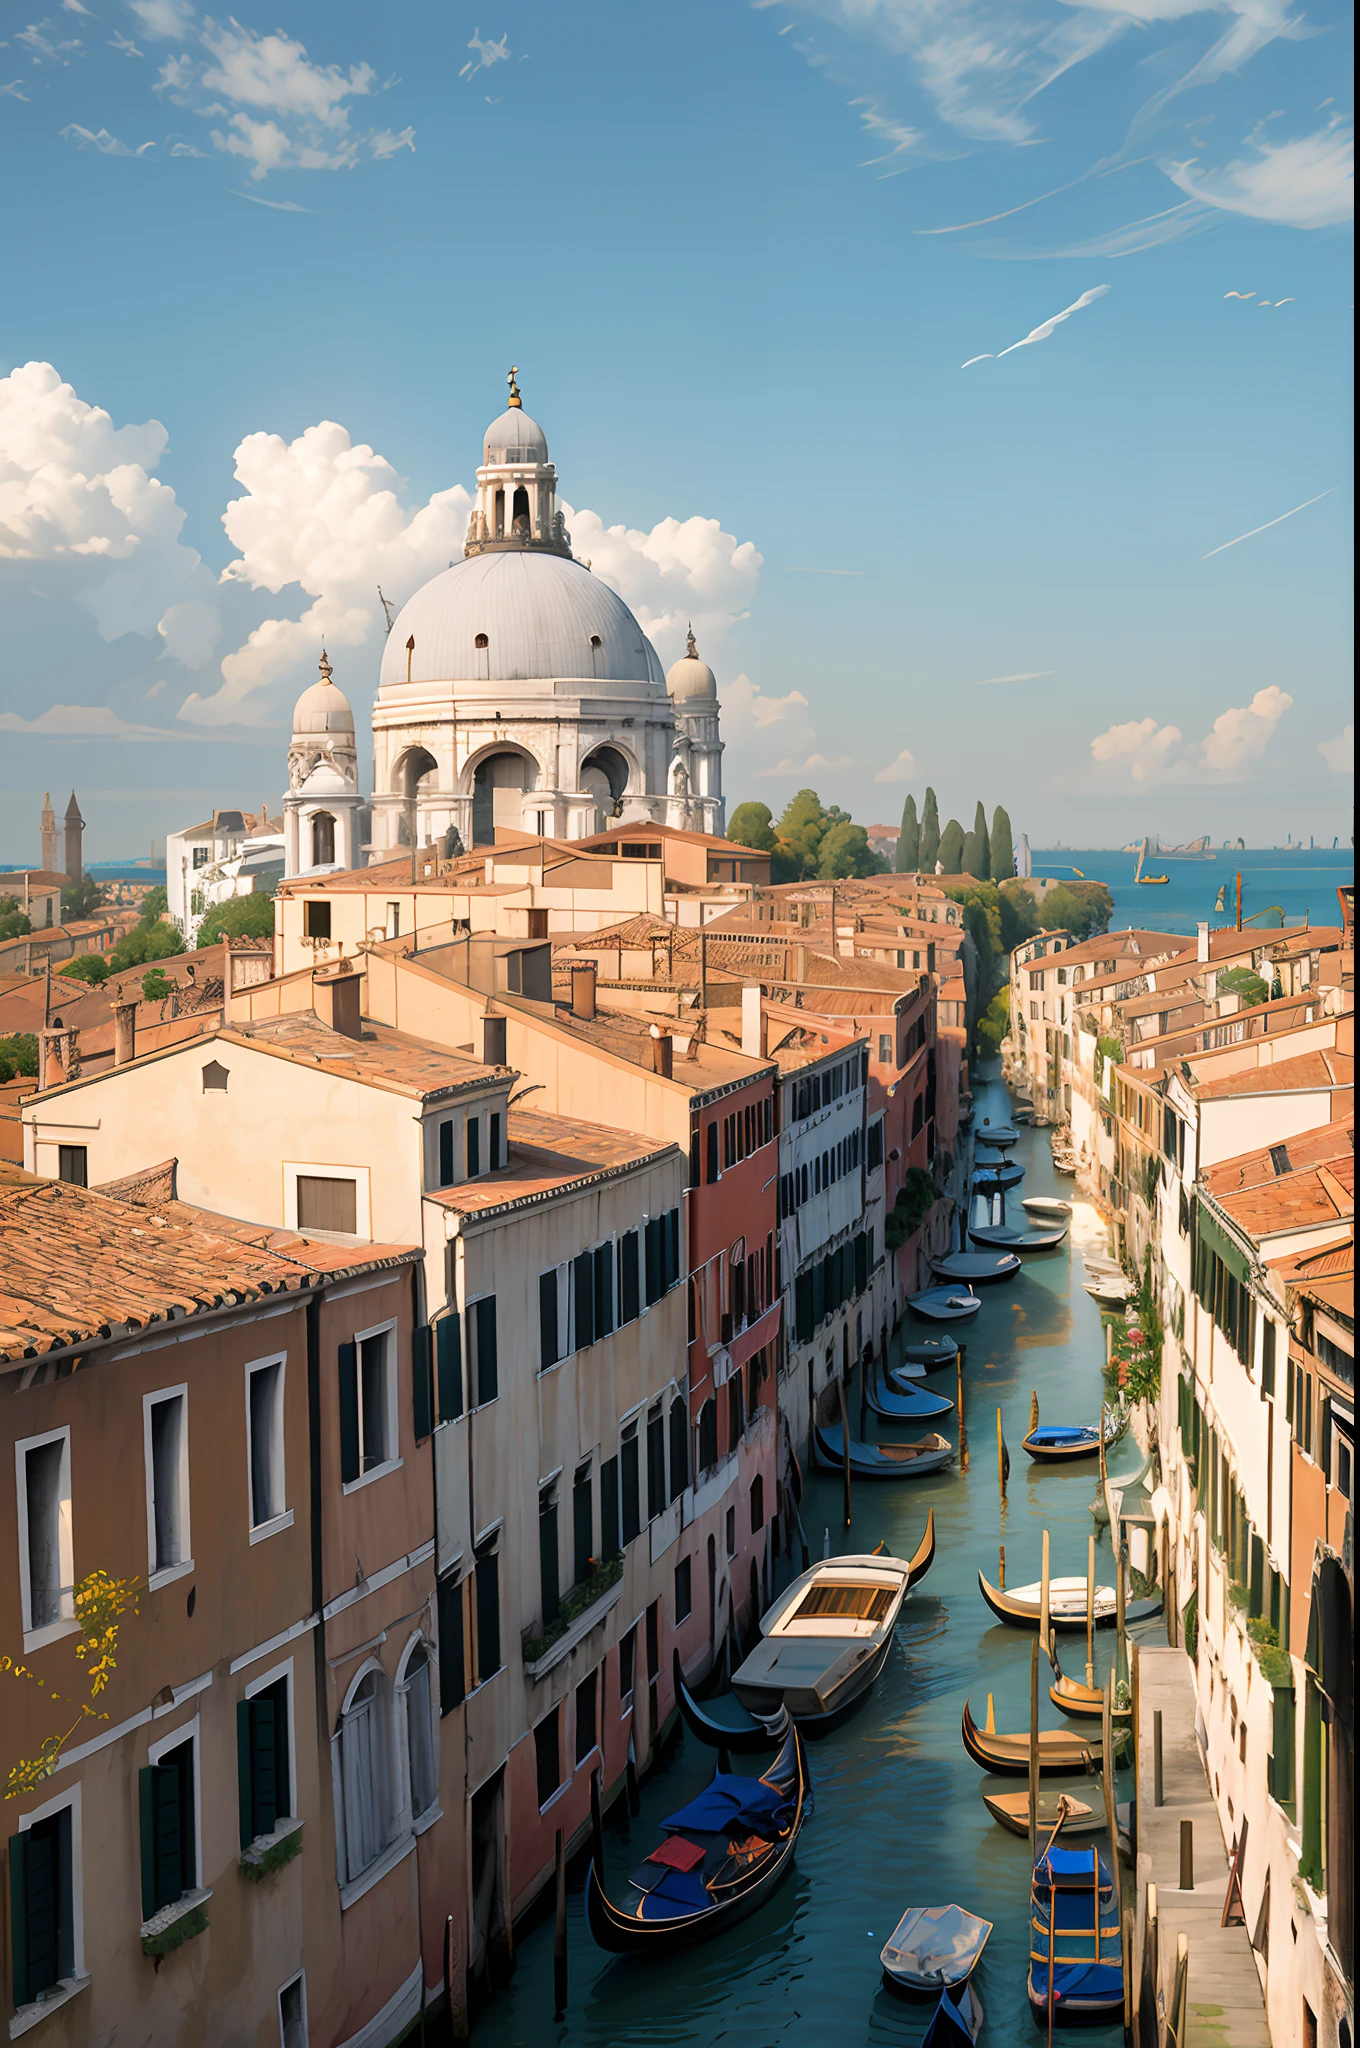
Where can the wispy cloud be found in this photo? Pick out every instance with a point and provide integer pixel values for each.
(100, 139)
(898, 770)
(14, 91)
(1045, 329)
(1339, 753)
(1251, 535)
(488, 53)
(1307, 182)
(785, 768)
(45, 47)
(1029, 675)
(275, 205)
(746, 705)
(125, 46)
(812, 569)
(81, 722)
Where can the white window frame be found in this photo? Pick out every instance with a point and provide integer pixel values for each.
(66, 1624)
(312, 1170)
(262, 1684)
(161, 1748)
(284, 1518)
(401, 1840)
(169, 1573)
(427, 1815)
(300, 1978)
(387, 1329)
(26, 1821)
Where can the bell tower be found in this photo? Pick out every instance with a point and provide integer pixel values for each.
(516, 488)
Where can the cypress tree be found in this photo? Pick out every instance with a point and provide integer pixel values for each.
(1003, 852)
(950, 855)
(909, 840)
(982, 854)
(968, 859)
(930, 834)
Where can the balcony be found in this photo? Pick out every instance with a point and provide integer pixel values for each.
(583, 1608)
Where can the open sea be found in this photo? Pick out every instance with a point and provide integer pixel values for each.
(1301, 884)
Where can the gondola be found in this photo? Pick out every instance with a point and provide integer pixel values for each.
(931, 1352)
(1008, 1755)
(946, 1304)
(1011, 1811)
(897, 1405)
(1047, 1206)
(1082, 1702)
(1076, 1970)
(724, 1723)
(1067, 1604)
(956, 2021)
(933, 1949)
(723, 1856)
(1000, 1135)
(1004, 1174)
(1057, 1443)
(978, 1269)
(1001, 1237)
(879, 1461)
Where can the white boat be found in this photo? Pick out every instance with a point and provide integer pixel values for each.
(824, 1641)
(1108, 1287)
(934, 1948)
(1045, 1205)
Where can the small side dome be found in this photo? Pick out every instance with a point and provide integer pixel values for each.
(323, 707)
(691, 681)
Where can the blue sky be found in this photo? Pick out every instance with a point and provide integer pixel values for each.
(272, 268)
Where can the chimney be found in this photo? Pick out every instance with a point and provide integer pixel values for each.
(493, 1042)
(752, 1022)
(336, 1000)
(583, 989)
(124, 1033)
(51, 1072)
(663, 1051)
(1202, 939)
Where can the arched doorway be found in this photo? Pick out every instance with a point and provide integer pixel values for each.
(498, 785)
(605, 774)
(323, 839)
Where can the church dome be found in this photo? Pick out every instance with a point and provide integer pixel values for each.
(323, 708)
(521, 616)
(514, 437)
(691, 681)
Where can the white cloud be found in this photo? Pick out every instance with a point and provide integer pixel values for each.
(166, 20)
(108, 145)
(81, 721)
(38, 40)
(1308, 182)
(898, 770)
(14, 91)
(787, 767)
(680, 572)
(1028, 675)
(77, 498)
(1339, 753)
(191, 631)
(124, 45)
(1044, 331)
(488, 53)
(746, 709)
(1149, 753)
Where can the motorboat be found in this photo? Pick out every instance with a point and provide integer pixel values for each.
(1011, 1811)
(946, 1304)
(1008, 1755)
(910, 1405)
(930, 1352)
(978, 1269)
(1002, 1238)
(879, 1461)
(956, 2021)
(933, 1949)
(1047, 1206)
(721, 1857)
(1000, 1135)
(1076, 1965)
(1007, 1173)
(1106, 1287)
(824, 1641)
(724, 1723)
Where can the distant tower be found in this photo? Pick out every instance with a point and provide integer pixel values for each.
(75, 825)
(695, 776)
(49, 835)
(323, 812)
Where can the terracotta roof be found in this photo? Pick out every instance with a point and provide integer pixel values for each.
(83, 1267)
(1282, 1077)
(40, 880)
(1263, 1167)
(1306, 1182)
(1323, 1262)
(548, 1154)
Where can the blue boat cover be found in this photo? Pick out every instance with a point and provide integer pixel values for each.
(1067, 1865)
(679, 1892)
(948, 2028)
(1056, 1433)
(1095, 1983)
(731, 1801)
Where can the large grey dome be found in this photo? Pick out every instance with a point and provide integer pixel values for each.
(543, 616)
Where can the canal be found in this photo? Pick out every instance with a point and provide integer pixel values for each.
(899, 1817)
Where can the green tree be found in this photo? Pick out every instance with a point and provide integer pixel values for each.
(155, 903)
(1246, 985)
(752, 825)
(14, 923)
(144, 942)
(1003, 851)
(909, 840)
(1082, 908)
(156, 985)
(930, 834)
(982, 850)
(993, 1024)
(91, 967)
(800, 831)
(18, 1055)
(845, 850)
(950, 855)
(81, 897)
(1019, 913)
(240, 917)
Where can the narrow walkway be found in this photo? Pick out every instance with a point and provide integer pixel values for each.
(1226, 2006)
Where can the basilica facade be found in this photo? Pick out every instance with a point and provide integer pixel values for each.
(516, 690)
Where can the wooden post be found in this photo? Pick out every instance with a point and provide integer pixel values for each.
(1180, 1994)
(1033, 1411)
(963, 1427)
(1126, 1956)
(991, 1715)
(1001, 1460)
(1136, 1725)
(1112, 1829)
(1149, 1975)
(1002, 1566)
(1187, 1872)
(845, 1448)
(1090, 1609)
(1157, 1799)
(560, 1934)
(1034, 1752)
(1043, 1592)
(1121, 1648)
(1052, 1943)
(1104, 1496)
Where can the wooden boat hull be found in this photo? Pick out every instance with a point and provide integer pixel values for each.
(739, 1736)
(1060, 1751)
(1063, 1454)
(821, 1677)
(1021, 1612)
(956, 2028)
(624, 1934)
(890, 1461)
(1083, 1702)
(1011, 1811)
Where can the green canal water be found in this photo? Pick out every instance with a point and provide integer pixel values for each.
(899, 1817)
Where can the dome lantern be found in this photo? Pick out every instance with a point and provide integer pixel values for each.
(516, 487)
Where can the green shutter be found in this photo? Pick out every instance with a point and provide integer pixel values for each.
(449, 1595)
(165, 1795)
(147, 1800)
(422, 1384)
(448, 1334)
(583, 1298)
(243, 1769)
(1214, 1238)
(547, 1319)
(264, 1775)
(487, 1374)
(349, 1413)
(18, 1917)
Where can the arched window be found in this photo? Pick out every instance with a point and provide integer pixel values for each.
(422, 1762)
(708, 1435)
(519, 524)
(481, 641)
(323, 839)
(364, 1783)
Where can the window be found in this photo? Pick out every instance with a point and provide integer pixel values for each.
(708, 1435)
(679, 1447)
(493, 1141)
(1267, 1356)
(368, 1414)
(452, 1674)
(874, 1145)
(202, 855)
(627, 1659)
(264, 1442)
(316, 920)
(45, 1944)
(549, 1340)
(609, 1508)
(215, 1078)
(657, 1497)
(631, 1487)
(394, 920)
(263, 1758)
(487, 1658)
(446, 1172)
(46, 1561)
(683, 1591)
(586, 1712)
(363, 1775)
(474, 1147)
(323, 839)
(327, 1204)
(169, 1834)
(885, 1049)
(630, 1304)
(166, 1442)
(482, 1344)
(448, 1356)
(420, 1739)
(293, 2014)
(711, 1172)
(549, 1568)
(73, 1165)
(548, 1754)
(582, 1523)
(731, 1532)
(757, 1504)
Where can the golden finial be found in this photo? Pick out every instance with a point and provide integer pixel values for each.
(515, 398)
(690, 647)
(325, 667)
